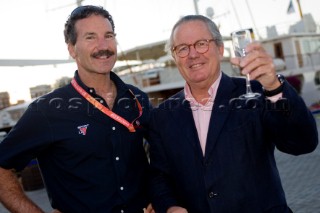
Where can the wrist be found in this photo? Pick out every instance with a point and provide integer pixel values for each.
(276, 91)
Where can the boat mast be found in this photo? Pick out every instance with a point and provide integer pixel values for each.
(253, 20)
(195, 2)
(79, 2)
(300, 10)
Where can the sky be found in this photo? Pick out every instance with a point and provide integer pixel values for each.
(33, 29)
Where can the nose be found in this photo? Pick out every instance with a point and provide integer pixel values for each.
(192, 51)
(102, 43)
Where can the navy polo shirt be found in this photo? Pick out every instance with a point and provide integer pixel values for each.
(89, 162)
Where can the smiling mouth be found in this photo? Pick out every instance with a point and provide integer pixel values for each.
(195, 66)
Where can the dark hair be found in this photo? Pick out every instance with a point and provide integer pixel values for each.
(212, 27)
(70, 34)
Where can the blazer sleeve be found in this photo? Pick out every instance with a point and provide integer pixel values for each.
(290, 124)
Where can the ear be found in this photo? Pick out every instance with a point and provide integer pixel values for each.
(173, 56)
(71, 49)
(221, 51)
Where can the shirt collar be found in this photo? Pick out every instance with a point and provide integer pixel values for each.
(121, 86)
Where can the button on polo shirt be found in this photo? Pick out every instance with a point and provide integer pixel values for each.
(213, 195)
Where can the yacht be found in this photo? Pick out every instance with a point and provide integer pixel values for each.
(296, 56)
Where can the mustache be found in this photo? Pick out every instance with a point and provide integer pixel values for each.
(107, 53)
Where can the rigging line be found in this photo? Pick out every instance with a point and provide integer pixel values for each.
(196, 7)
(300, 10)
(253, 22)
(236, 14)
(78, 3)
(122, 53)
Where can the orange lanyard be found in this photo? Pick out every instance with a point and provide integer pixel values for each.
(105, 110)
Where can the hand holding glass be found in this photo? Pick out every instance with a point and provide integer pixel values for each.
(240, 40)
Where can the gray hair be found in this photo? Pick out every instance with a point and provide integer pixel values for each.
(214, 30)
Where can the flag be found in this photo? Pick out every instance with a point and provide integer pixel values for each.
(290, 8)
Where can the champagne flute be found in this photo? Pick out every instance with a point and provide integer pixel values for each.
(240, 40)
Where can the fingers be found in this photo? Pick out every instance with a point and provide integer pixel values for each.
(256, 56)
(149, 209)
(259, 64)
(255, 46)
(235, 61)
(55, 211)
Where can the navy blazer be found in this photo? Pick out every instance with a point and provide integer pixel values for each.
(238, 172)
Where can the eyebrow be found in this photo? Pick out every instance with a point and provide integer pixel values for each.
(93, 33)
(89, 33)
(110, 32)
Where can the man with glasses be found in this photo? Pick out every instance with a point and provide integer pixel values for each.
(213, 152)
(86, 136)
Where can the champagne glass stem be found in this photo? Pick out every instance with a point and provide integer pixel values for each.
(240, 40)
(248, 85)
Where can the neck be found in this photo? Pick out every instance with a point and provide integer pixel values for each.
(200, 94)
(200, 90)
(102, 84)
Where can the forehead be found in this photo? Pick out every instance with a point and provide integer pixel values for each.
(191, 30)
(93, 23)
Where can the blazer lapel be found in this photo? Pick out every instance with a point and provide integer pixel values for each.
(182, 114)
(219, 113)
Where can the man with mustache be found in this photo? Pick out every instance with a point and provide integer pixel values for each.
(86, 136)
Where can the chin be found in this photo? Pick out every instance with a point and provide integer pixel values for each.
(198, 79)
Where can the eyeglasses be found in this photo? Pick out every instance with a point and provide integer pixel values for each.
(201, 46)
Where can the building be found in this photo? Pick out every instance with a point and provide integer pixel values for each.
(39, 90)
(4, 100)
